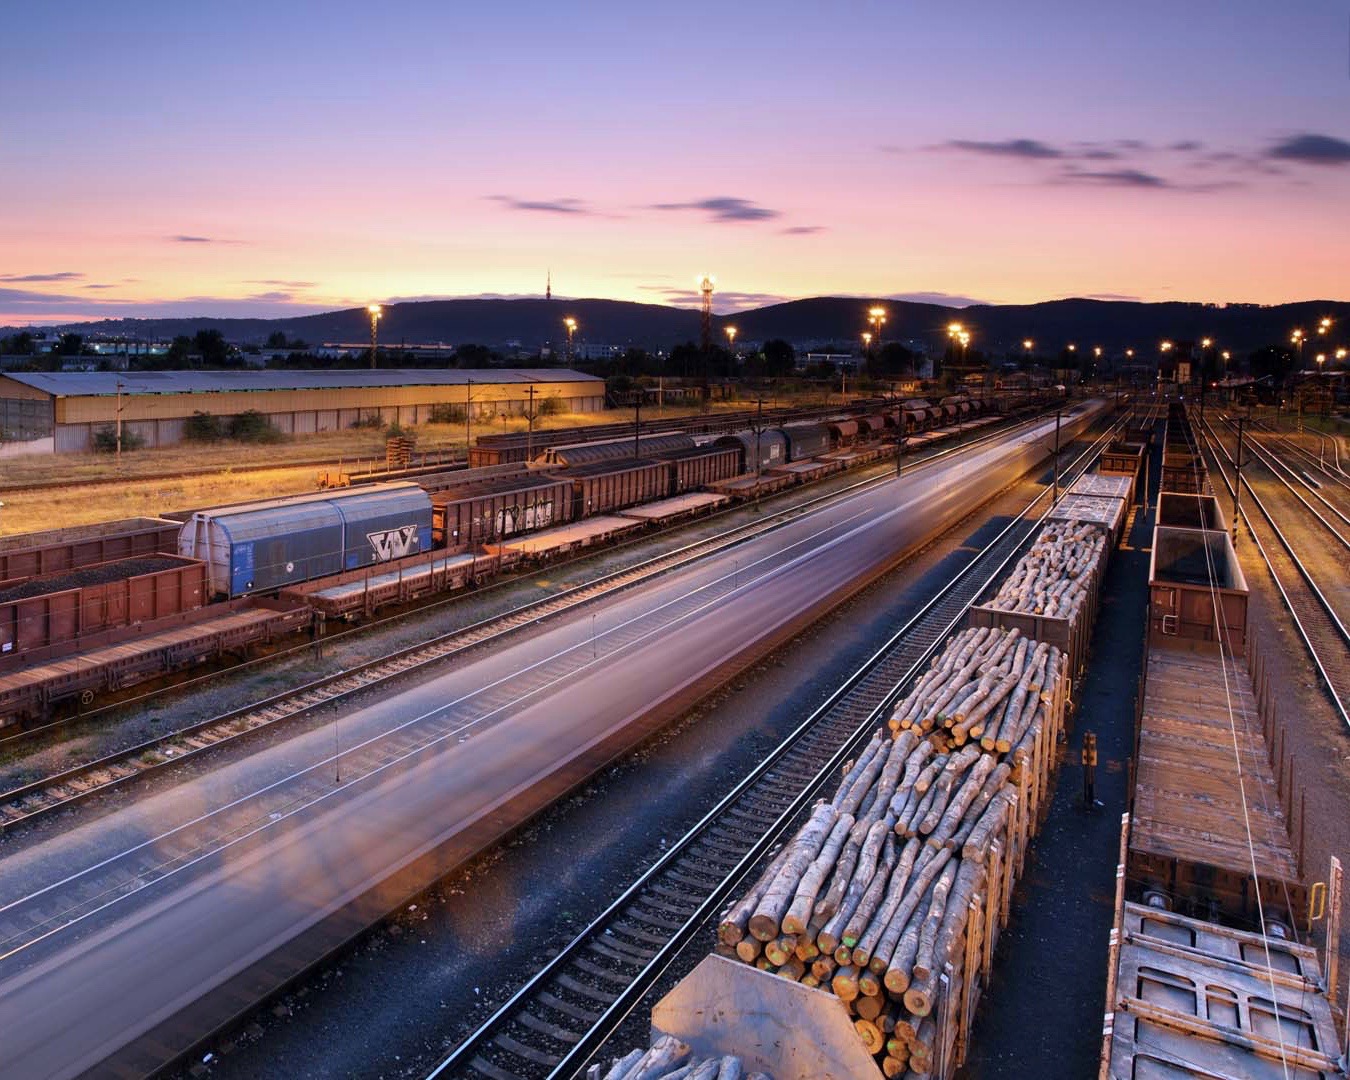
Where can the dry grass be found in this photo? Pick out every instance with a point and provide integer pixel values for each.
(246, 477)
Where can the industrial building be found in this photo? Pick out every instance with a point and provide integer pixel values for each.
(60, 411)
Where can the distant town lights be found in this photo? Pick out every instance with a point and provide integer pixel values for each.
(1166, 346)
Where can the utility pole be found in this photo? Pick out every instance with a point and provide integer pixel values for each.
(468, 416)
(637, 422)
(1237, 478)
(529, 431)
(759, 426)
(1054, 498)
(119, 425)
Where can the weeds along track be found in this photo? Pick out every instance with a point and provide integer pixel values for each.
(1299, 554)
(557, 1021)
(29, 802)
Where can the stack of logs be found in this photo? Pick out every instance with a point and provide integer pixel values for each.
(990, 686)
(905, 874)
(1056, 574)
(670, 1059)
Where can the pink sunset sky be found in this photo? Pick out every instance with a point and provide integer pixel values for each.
(276, 159)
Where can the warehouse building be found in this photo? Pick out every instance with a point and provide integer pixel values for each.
(60, 411)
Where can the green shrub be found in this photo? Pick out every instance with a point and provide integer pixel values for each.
(552, 406)
(396, 430)
(203, 427)
(445, 413)
(105, 439)
(369, 420)
(254, 427)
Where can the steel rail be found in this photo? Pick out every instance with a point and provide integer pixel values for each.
(197, 682)
(28, 802)
(1339, 696)
(905, 653)
(1278, 468)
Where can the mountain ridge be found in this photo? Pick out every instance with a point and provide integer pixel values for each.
(1112, 324)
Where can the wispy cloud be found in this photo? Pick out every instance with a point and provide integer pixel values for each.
(1132, 178)
(545, 206)
(1311, 150)
(724, 208)
(1118, 297)
(943, 299)
(60, 275)
(803, 230)
(98, 286)
(725, 301)
(281, 283)
(185, 238)
(1029, 149)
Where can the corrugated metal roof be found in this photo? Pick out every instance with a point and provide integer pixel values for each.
(99, 383)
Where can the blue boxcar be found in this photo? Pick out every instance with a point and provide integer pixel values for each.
(262, 546)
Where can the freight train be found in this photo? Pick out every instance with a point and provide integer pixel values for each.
(256, 548)
(252, 573)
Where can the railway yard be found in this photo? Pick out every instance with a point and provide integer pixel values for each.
(925, 738)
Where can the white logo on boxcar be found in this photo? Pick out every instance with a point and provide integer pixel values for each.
(394, 543)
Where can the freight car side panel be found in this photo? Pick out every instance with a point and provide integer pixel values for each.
(617, 487)
(479, 519)
(696, 470)
(810, 440)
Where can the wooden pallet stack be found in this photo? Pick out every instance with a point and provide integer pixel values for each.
(892, 894)
(670, 1059)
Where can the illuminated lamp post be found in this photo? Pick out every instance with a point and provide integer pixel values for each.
(374, 311)
(571, 325)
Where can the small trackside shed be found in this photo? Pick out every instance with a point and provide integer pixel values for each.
(261, 546)
(69, 407)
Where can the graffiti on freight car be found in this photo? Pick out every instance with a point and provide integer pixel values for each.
(514, 519)
(394, 543)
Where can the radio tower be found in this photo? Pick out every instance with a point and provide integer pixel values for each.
(548, 287)
(706, 288)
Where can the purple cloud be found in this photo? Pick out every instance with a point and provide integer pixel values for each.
(543, 206)
(724, 208)
(61, 275)
(1312, 150)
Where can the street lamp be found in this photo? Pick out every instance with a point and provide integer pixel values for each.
(1324, 326)
(876, 317)
(1296, 339)
(571, 325)
(1321, 384)
(867, 343)
(731, 340)
(375, 311)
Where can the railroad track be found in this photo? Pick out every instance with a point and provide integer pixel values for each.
(27, 803)
(558, 1020)
(199, 682)
(1330, 486)
(1321, 630)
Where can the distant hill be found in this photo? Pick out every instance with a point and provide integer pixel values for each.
(1115, 325)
